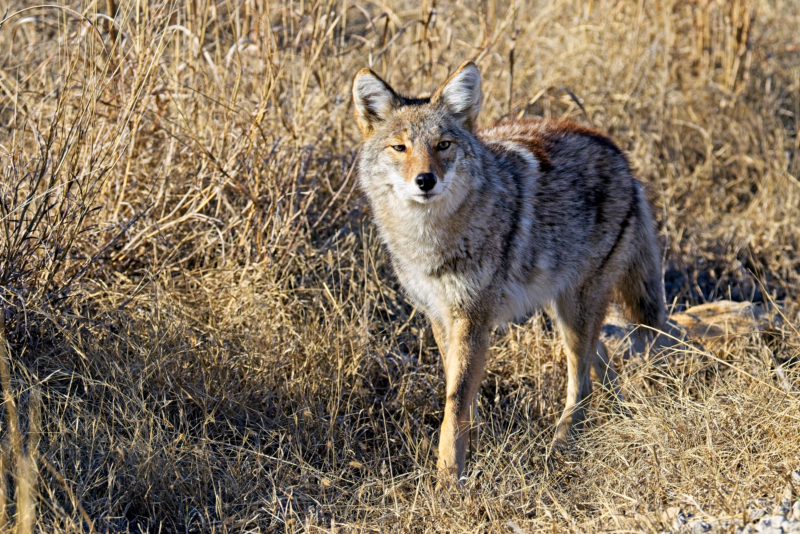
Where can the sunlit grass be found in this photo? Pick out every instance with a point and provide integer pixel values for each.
(203, 333)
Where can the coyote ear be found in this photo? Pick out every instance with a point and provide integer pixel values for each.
(462, 93)
(374, 100)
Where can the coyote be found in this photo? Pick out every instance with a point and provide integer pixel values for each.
(487, 226)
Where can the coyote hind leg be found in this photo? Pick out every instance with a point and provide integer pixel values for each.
(603, 371)
(579, 319)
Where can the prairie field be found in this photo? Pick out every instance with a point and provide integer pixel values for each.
(201, 331)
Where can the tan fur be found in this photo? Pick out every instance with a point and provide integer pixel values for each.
(489, 226)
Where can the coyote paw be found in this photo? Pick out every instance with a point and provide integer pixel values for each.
(558, 455)
(447, 480)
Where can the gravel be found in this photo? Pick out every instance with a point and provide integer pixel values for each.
(768, 517)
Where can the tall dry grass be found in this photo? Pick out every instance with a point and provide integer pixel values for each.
(202, 333)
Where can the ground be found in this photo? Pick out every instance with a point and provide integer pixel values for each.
(202, 332)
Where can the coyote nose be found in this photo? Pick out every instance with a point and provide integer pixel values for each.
(426, 181)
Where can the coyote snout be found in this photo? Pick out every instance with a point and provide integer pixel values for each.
(425, 181)
(487, 226)
(419, 167)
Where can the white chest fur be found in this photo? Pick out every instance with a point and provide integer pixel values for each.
(418, 250)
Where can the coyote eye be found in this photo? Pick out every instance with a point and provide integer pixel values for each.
(399, 148)
(443, 145)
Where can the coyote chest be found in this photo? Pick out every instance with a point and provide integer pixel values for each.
(440, 274)
(482, 255)
(441, 295)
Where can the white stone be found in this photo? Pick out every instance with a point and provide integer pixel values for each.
(699, 526)
(771, 522)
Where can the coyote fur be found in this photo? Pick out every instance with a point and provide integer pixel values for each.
(488, 226)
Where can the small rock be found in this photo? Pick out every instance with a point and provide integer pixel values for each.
(773, 522)
(699, 526)
(796, 510)
(747, 529)
(796, 477)
(792, 527)
(670, 513)
(783, 510)
(674, 517)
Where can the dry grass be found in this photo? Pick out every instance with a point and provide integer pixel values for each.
(205, 335)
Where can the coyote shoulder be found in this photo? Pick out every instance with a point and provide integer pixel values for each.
(487, 226)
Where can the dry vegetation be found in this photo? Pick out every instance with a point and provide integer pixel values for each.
(203, 334)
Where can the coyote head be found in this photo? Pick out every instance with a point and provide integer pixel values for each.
(419, 149)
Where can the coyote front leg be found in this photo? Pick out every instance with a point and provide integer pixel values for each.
(467, 342)
(440, 335)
